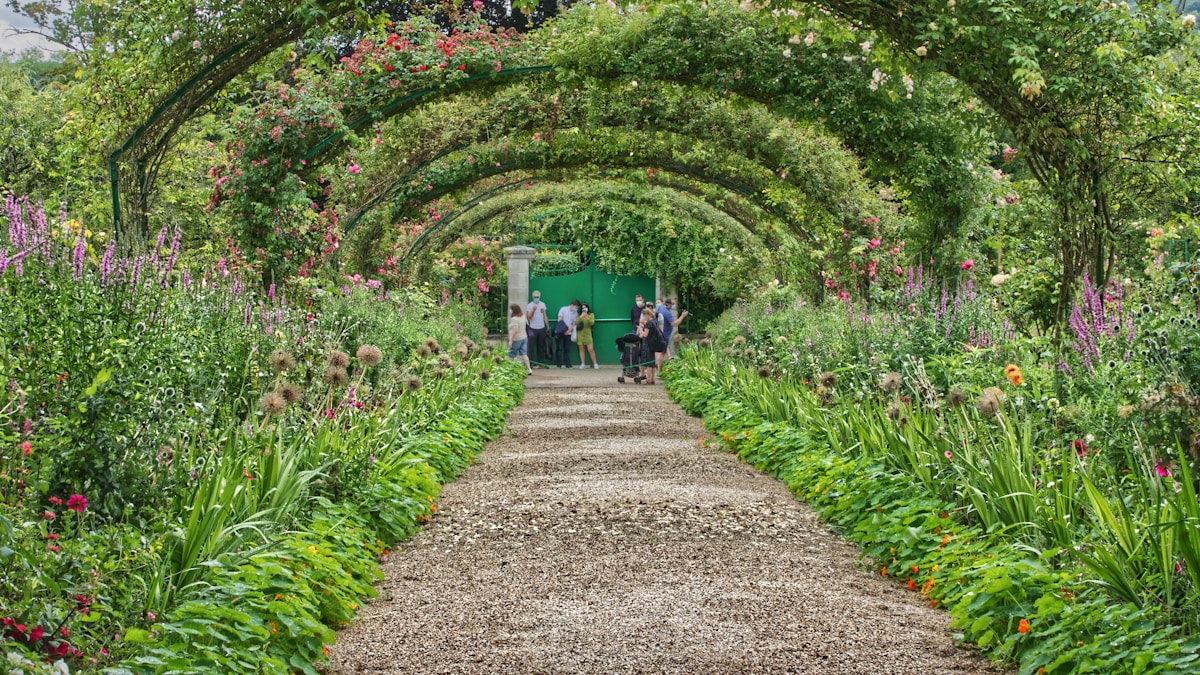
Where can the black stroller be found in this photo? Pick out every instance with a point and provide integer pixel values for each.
(630, 346)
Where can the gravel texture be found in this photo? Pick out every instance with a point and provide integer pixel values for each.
(597, 536)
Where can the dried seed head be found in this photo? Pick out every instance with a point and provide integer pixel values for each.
(463, 351)
(439, 373)
(828, 380)
(289, 392)
(739, 340)
(338, 359)
(988, 404)
(424, 351)
(749, 353)
(282, 360)
(413, 383)
(705, 342)
(497, 359)
(893, 412)
(446, 361)
(764, 371)
(272, 403)
(891, 382)
(483, 374)
(433, 345)
(956, 399)
(369, 355)
(335, 376)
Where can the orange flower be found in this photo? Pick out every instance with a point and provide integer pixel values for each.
(946, 539)
(1014, 374)
(1023, 626)
(883, 571)
(912, 585)
(915, 569)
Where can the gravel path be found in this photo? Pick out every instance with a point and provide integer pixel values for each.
(598, 537)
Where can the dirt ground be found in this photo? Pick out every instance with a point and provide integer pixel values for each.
(597, 536)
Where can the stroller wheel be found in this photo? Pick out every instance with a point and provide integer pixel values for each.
(621, 379)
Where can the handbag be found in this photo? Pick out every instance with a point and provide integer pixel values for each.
(574, 336)
(561, 327)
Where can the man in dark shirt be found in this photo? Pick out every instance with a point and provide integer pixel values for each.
(635, 314)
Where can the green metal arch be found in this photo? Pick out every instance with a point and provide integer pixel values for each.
(449, 218)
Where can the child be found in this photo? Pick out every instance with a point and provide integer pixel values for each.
(517, 339)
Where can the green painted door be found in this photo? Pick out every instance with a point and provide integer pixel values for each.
(610, 297)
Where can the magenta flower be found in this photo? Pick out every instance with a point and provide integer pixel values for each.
(1081, 448)
(967, 264)
(1161, 470)
(77, 503)
(949, 455)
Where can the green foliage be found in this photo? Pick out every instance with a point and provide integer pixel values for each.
(1017, 602)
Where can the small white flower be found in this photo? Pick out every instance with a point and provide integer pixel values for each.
(633, 83)
(810, 38)
(922, 50)
(1189, 21)
(932, 26)
(795, 39)
(175, 36)
(196, 44)
(866, 46)
(787, 53)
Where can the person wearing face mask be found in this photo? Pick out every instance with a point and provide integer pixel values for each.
(635, 314)
(583, 335)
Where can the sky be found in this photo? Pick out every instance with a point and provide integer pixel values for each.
(15, 43)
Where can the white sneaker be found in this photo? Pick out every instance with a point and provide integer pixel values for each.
(582, 366)
(596, 366)
(529, 372)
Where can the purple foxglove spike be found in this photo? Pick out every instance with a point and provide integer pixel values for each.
(78, 257)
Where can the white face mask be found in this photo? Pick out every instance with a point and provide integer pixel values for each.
(641, 303)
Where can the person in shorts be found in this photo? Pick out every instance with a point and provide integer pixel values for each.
(518, 341)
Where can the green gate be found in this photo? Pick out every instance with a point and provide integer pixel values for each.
(610, 298)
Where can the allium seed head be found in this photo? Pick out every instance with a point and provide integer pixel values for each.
(423, 351)
(289, 392)
(282, 361)
(988, 404)
(445, 361)
(369, 355)
(828, 379)
(956, 399)
(338, 359)
(413, 383)
(497, 359)
(433, 345)
(463, 351)
(272, 403)
(764, 371)
(335, 376)
(439, 373)
(483, 374)
(891, 382)
(739, 341)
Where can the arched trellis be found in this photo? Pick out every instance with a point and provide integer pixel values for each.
(785, 150)
(474, 163)
(513, 201)
(588, 190)
(792, 96)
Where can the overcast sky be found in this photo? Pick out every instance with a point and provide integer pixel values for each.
(16, 43)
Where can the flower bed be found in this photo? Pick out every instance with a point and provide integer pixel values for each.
(200, 476)
(1018, 604)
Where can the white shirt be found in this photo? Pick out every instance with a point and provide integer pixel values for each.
(568, 315)
(536, 313)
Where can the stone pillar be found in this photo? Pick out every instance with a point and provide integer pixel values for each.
(518, 258)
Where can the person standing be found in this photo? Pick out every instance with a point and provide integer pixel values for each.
(563, 330)
(518, 342)
(583, 335)
(652, 345)
(539, 326)
(635, 314)
(669, 324)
